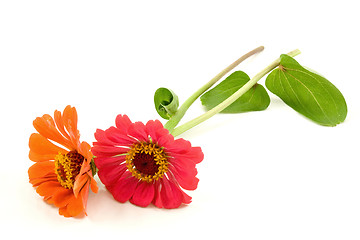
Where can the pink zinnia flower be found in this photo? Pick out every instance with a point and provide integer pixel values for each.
(145, 164)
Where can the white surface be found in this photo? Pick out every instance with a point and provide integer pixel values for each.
(266, 175)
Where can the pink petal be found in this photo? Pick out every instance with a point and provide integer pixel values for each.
(156, 130)
(183, 148)
(101, 138)
(183, 164)
(102, 150)
(166, 141)
(184, 171)
(186, 198)
(122, 122)
(124, 188)
(115, 135)
(171, 195)
(151, 128)
(194, 154)
(138, 131)
(157, 198)
(143, 194)
(187, 180)
(179, 146)
(105, 161)
(111, 174)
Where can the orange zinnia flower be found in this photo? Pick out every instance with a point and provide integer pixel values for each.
(61, 174)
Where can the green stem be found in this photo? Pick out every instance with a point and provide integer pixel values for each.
(183, 128)
(173, 122)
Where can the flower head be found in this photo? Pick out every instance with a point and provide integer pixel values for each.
(62, 172)
(145, 164)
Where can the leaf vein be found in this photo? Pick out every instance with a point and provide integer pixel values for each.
(312, 94)
(317, 80)
(296, 96)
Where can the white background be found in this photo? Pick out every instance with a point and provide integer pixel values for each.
(266, 175)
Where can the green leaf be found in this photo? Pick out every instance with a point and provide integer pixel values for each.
(307, 92)
(255, 99)
(93, 167)
(166, 102)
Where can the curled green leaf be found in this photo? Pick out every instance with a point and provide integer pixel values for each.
(255, 99)
(166, 102)
(307, 92)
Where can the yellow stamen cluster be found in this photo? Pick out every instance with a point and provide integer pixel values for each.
(150, 151)
(67, 167)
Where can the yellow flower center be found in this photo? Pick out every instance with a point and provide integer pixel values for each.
(147, 161)
(67, 167)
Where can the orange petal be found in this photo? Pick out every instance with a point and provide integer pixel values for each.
(48, 178)
(62, 197)
(63, 211)
(60, 123)
(93, 185)
(70, 120)
(49, 200)
(80, 183)
(85, 150)
(42, 172)
(45, 125)
(42, 149)
(48, 189)
(84, 195)
(75, 206)
(40, 157)
(41, 169)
